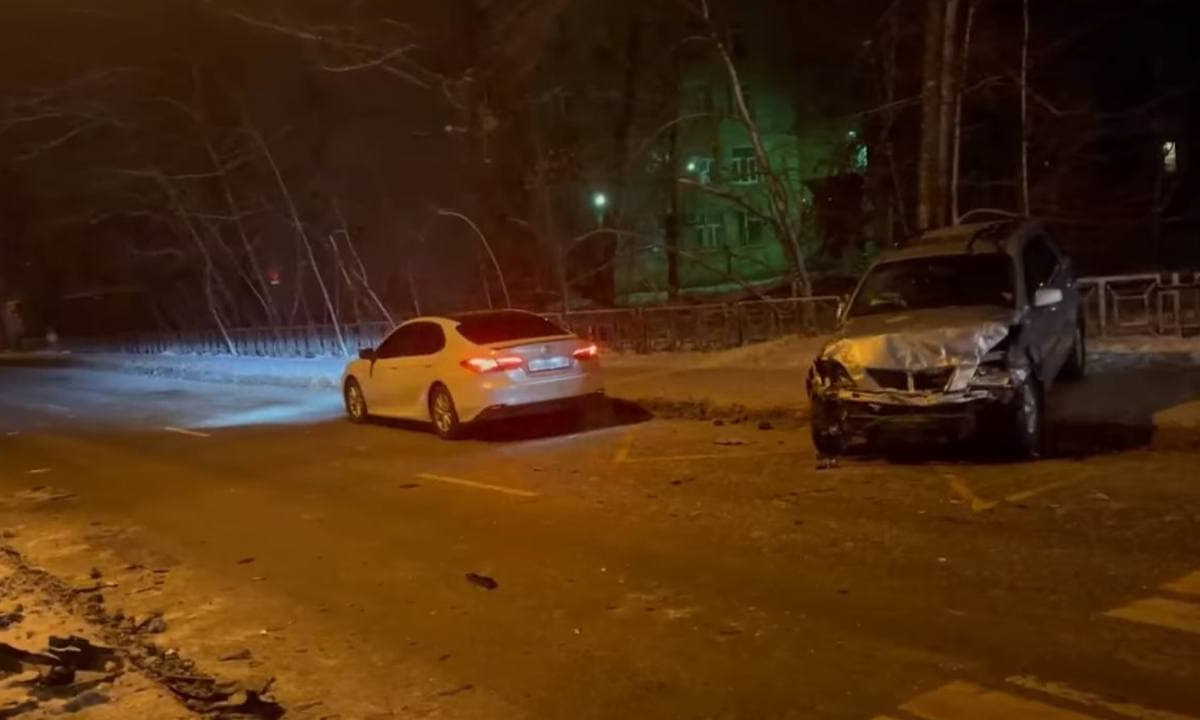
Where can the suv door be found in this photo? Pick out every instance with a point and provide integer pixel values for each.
(1052, 328)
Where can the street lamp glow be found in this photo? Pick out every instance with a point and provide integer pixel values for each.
(691, 166)
(599, 201)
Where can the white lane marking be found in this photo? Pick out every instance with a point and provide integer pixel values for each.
(964, 701)
(1079, 697)
(1030, 494)
(961, 489)
(1163, 612)
(623, 447)
(476, 485)
(37, 471)
(185, 431)
(56, 408)
(1187, 585)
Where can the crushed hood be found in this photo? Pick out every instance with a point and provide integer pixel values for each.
(919, 339)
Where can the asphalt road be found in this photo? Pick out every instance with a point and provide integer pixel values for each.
(645, 569)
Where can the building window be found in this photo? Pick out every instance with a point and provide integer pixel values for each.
(1170, 157)
(747, 95)
(700, 168)
(751, 229)
(707, 230)
(745, 170)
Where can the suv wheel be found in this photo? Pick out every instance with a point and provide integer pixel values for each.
(1027, 419)
(826, 436)
(1076, 366)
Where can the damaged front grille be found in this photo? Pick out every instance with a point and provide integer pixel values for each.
(934, 380)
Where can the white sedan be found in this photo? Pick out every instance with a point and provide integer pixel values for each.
(459, 369)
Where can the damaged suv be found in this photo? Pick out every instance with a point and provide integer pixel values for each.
(960, 333)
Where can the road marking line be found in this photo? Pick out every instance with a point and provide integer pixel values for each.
(1186, 585)
(1079, 697)
(1163, 612)
(964, 701)
(56, 408)
(185, 431)
(624, 447)
(1027, 494)
(960, 489)
(710, 456)
(37, 471)
(477, 485)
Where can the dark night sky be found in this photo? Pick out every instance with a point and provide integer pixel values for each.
(377, 144)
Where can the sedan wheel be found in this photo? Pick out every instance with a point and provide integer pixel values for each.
(444, 414)
(356, 403)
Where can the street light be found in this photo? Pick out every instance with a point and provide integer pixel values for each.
(599, 200)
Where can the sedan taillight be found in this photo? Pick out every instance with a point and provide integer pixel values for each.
(587, 353)
(500, 363)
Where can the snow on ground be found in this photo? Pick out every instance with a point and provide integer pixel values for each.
(1134, 379)
(292, 372)
(795, 352)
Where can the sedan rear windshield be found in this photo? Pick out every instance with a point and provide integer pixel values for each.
(936, 282)
(497, 327)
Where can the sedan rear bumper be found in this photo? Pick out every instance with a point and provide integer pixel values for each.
(545, 407)
(499, 395)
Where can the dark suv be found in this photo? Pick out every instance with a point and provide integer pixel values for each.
(960, 333)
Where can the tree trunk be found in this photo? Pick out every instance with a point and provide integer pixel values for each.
(1025, 207)
(670, 171)
(956, 161)
(947, 94)
(898, 206)
(545, 209)
(927, 182)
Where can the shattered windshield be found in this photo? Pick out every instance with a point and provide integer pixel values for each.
(936, 282)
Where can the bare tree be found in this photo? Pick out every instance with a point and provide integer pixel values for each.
(1024, 180)
(487, 246)
(956, 162)
(783, 213)
(301, 233)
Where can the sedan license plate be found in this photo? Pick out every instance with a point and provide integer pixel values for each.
(551, 363)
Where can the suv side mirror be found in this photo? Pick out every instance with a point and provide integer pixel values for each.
(366, 353)
(1046, 297)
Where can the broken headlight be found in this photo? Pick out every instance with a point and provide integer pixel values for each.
(832, 373)
(993, 369)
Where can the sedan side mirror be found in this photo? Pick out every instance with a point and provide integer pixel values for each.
(1046, 297)
(366, 353)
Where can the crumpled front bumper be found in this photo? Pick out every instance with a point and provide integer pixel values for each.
(867, 413)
